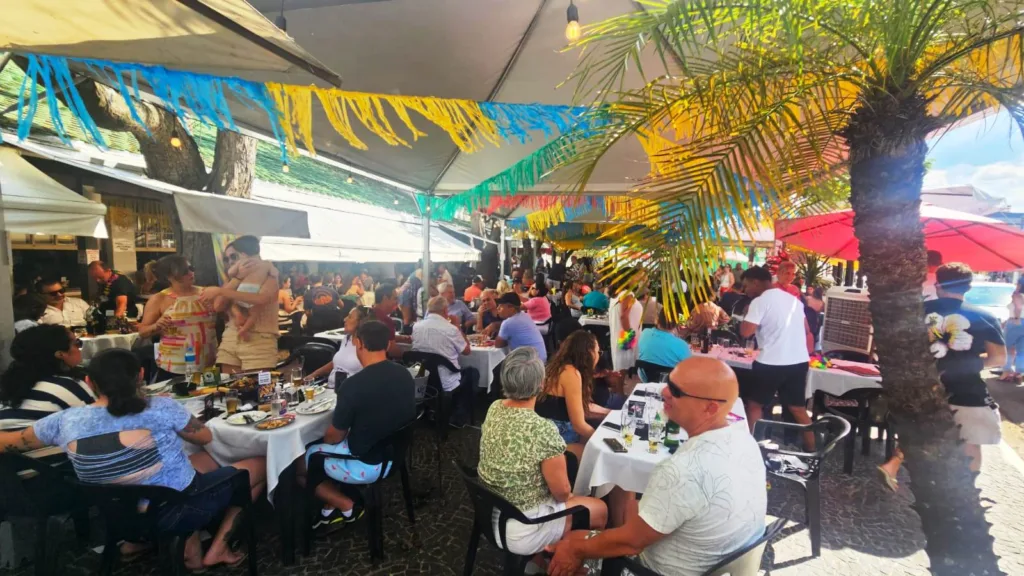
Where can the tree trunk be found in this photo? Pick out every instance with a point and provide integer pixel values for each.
(234, 169)
(886, 137)
(527, 261)
(488, 268)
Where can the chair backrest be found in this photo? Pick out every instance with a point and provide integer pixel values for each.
(314, 355)
(651, 372)
(850, 355)
(828, 431)
(747, 560)
(485, 501)
(119, 505)
(431, 362)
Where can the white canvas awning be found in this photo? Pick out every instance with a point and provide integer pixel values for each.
(479, 50)
(223, 37)
(345, 231)
(197, 211)
(34, 203)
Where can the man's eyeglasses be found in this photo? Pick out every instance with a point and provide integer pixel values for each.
(678, 392)
(59, 291)
(78, 343)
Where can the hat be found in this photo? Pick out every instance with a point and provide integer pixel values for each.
(510, 299)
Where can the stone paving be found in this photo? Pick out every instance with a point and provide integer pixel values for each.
(866, 529)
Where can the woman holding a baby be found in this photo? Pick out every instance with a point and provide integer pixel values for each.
(250, 340)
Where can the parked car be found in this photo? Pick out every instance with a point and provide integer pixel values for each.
(993, 297)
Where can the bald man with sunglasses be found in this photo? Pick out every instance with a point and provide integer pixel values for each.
(702, 503)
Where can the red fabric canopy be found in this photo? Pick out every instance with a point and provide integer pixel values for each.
(982, 243)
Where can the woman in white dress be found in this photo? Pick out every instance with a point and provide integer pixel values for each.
(624, 313)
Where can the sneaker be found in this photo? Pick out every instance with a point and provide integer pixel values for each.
(337, 518)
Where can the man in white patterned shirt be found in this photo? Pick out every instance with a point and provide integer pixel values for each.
(702, 503)
(438, 335)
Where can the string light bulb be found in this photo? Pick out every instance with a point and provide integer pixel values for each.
(572, 27)
(175, 142)
(285, 168)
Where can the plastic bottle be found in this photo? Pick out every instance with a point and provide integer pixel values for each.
(190, 362)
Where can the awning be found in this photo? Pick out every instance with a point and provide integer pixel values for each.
(34, 203)
(344, 231)
(223, 37)
(198, 211)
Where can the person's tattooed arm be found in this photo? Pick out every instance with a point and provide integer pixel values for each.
(196, 432)
(20, 441)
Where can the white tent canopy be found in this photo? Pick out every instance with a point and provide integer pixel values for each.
(34, 203)
(197, 211)
(345, 231)
(223, 37)
(474, 49)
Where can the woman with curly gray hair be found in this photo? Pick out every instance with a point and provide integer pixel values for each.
(522, 458)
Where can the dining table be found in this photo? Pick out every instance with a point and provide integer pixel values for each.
(482, 357)
(601, 468)
(843, 376)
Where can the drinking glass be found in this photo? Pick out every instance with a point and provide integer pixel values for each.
(231, 402)
(628, 427)
(297, 377)
(748, 346)
(655, 428)
(695, 343)
(310, 392)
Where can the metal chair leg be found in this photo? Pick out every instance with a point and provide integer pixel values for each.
(407, 491)
(813, 516)
(474, 542)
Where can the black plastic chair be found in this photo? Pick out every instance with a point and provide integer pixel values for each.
(293, 343)
(850, 355)
(119, 507)
(828, 431)
(744, 562)
(312, 355)
(396, 450)
(431, 362)
(485, 501)
(41, 493)
(651, 372)
(860, 420)
(547, 329)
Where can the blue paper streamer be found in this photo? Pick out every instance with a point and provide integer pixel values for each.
(516, 121)
(204, 95)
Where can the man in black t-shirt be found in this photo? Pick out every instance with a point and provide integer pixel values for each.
(372, 405)
(117, 292)
(965, 340)
(321, 305)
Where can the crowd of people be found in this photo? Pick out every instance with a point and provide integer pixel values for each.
(558, 382)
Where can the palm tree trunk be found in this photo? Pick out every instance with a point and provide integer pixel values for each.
(886, 137)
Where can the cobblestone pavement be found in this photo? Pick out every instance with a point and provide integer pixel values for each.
(865, 528)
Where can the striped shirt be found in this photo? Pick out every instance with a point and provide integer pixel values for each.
(53, 394)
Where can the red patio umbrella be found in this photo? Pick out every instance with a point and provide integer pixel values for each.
(984, 244)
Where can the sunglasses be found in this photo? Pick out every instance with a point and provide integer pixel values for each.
(678, 392)
(55, 292)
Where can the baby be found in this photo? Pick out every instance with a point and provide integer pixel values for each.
(241, 312)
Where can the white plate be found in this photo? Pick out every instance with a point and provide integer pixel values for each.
(157, 387)
(238, 418)
(318, 390)
(315, 407)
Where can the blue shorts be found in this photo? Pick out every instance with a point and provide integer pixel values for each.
(566, 431)
(347, 471)
(201, 507)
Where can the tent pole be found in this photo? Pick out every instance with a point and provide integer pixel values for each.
(6, 295)
(501, 252)
(426, 252)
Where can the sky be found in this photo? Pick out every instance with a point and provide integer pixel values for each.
(987, 153)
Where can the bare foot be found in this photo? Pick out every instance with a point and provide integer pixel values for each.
(226, 556)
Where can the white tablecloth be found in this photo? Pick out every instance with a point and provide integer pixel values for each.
(281, 446)
(93, 345)
(601, 468)
(835, 381)
(483, 358)
(592, 321)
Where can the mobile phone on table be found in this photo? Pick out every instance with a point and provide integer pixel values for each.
(615, 445)
(612, 426)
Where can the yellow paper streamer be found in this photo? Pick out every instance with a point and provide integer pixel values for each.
(463, 120)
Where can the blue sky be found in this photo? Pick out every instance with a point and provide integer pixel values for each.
(987, 153)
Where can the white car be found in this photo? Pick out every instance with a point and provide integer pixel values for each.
(993, 297)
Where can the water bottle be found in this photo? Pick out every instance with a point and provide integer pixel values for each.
(190, 363)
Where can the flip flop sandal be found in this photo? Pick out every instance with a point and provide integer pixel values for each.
(890, 481)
